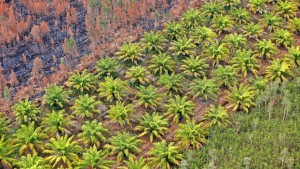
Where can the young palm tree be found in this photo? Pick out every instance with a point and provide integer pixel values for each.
(171, 82)
(131, 52)
(82, 82)
(191, 18)
(148, 97)
(283, 37)
(124, 145)
(56, 122)
(257, 5)
(230, 3)
(183, 47)
(265, 48)
(235, 41)
(222, 23)
(217, 52)
(85, 106)
(294, 25)
(179, 108)
(271, 21)
(55, 97)
(153, 125)
(212, 8)
(62, 151)
(259, 84)
(29, 139)
(4, 122)
(216, 116)
(164, 155)
(92, 133)
(287, 9)
(153, 42)
(6, 152)
(206, 88)
(135, 164)
(174, 31)
(194, 67)
(191, 135)
(226, 76)
(245, 61)
(107, 67)
(253, 30)
(137, 75)
(240, 15)
(32, 162)
(203, 35)
(121, 113)
(241, 97)
(294, 55)
(25, 111)
(112, 89)
(162, 63)
(278, 71)
(94, 159)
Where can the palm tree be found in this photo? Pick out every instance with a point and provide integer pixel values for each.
(92, 133)
(179, 108)
(259, 84)
(222, 23)
(82, 82)
(287, 9)
(241, 97)
(107, 67)
(191, 135)
(121, 113)
(191, 18)
(137, 75)
(148, 97)
(33, 162)
(253, 30)
(131, 52)
(278, 71)
(231, 3)
(55, 97)
(174, 31)
(294, 55)
(95, 159)
(203, 35)
(171, 82)
(212, 8)
(206, 88)
(85, 106)
(257, 5)
(62, 151)
(271, 21)
(25, 111)
(216, 116)
(226, 75)
(112, 89)
(245, 61)
(235, 41)
(124, 145)
(240, 14)
(153, 42)
(194, 67)
(283, 37)
(266, 48)
(217, 52)
(162, 63)
(294, 25)
(183, 47)
(153, 125)
(4, 122)
(29, 139)
(135, 164)
(56, 122)
(6, 152)
(164, 155)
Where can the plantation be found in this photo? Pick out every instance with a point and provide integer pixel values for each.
(218, 88)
